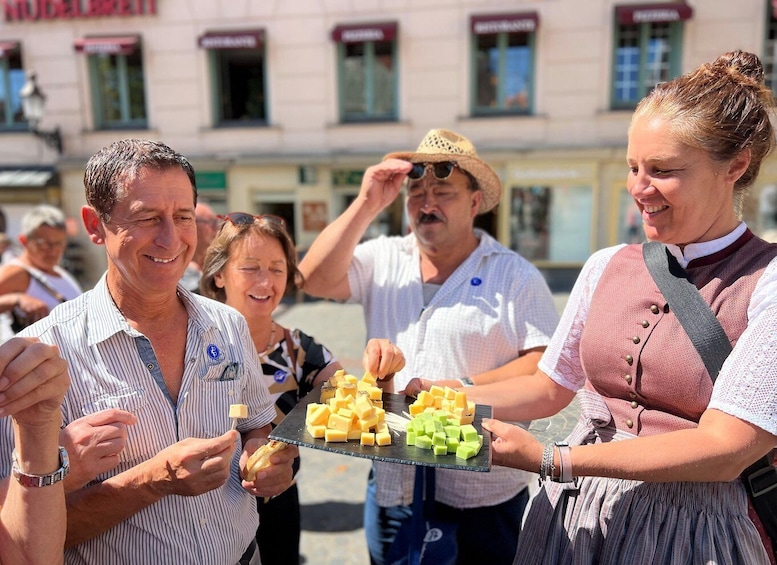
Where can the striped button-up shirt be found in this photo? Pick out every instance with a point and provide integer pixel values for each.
(493, 306)
(113, 366)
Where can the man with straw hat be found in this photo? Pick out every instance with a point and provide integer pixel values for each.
(462, 308)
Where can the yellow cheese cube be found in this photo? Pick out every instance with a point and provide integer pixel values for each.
(383, 438)
(367, 438)
(363, 408)
(376, 393)
(415, 409)
(238, 411)
(338, 422)
(316, 431)
(368, 423)
(319, 416)
(461, 400)
(351, 379)
(354, 435)
(369, 378)
(425, 398)
(335, 436)
(436, 390)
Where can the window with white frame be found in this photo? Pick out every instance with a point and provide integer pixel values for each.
(11, 82)
(647, 50)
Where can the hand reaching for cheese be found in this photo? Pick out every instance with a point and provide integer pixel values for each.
(382, 358)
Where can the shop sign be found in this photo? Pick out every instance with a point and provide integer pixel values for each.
(314, 216)
(342, 177)
(33, 10)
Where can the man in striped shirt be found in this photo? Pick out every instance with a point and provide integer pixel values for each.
(140, 343)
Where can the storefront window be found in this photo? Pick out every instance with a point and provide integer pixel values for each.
(118, 90)
(11, 81)
(551, 223)
(629, 220)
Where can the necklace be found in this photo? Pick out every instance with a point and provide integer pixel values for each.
(271, 341)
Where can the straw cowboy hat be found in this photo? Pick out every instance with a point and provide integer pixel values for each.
(444, 145)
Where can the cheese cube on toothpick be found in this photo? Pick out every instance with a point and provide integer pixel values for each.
(237, 411)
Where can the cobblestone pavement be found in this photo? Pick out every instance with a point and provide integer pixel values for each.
(332, 486)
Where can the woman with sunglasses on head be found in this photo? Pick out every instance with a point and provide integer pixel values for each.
(250, 265)
(34, 283)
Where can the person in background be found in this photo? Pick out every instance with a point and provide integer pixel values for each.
(652, 474)
(141, 343)
(208, 224)
(458, 304)
(251, 265)
(33, 380)
(34, 283)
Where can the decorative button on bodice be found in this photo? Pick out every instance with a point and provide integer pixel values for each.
(635, 339)
(629, 423)
(628, 379)
(630, 359)
(645, 323)
(654, 309)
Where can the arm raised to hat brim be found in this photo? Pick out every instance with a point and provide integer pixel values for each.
(325, 265)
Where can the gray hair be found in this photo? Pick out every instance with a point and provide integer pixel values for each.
(43, 215)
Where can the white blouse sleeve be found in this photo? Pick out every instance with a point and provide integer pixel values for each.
(746, 387)
(561, 360)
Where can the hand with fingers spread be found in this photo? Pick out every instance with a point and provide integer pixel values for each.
(194, 466)
(273, 480)
(94, 443)
(383, 359)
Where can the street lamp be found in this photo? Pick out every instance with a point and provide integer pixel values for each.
(33, 101)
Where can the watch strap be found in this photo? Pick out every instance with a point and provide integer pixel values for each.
(466, 381)
(29, 480)
(565, 462)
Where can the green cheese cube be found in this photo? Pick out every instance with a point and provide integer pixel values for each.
(465, 451)
(469, 433)
(440, 450)
(410, 437)
(452, 443)
(424, 442)
(453, 431)
(438, 438)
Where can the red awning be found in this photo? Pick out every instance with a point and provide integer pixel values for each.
(358, 33)
(116, 45)
(8, 47)
(653, 13)
(234, 39)
(525, 22)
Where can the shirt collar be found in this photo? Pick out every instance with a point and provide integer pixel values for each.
(695, 250)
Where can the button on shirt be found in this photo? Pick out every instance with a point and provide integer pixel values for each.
(493, 306)
(113, 366)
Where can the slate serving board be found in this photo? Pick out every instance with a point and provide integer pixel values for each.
(292, 430)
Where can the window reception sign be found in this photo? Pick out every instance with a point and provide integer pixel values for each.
(34, 10)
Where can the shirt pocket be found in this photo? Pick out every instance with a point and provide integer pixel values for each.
(230, 371)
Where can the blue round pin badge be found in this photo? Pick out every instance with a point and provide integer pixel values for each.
(213, 351)
(280, 376)
(475, 281)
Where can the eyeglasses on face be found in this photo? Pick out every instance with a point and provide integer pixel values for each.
(441, 170)
(46, 245)
(243, 219)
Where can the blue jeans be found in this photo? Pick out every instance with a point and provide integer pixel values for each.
(488, 534)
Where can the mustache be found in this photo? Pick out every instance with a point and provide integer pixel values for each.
(424, 217)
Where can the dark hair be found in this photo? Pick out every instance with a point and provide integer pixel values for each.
(220, 252)
(114, 166)
(722, 108)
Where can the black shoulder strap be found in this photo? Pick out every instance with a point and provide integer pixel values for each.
(695, 315)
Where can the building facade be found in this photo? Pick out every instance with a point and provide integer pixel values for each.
(282, 105)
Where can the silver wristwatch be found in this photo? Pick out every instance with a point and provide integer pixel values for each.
(28, 480)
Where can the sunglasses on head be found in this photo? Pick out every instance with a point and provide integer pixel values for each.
(441, 170)
(243, 219)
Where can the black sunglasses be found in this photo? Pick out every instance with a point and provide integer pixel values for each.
(441, 170)
(243, 219)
